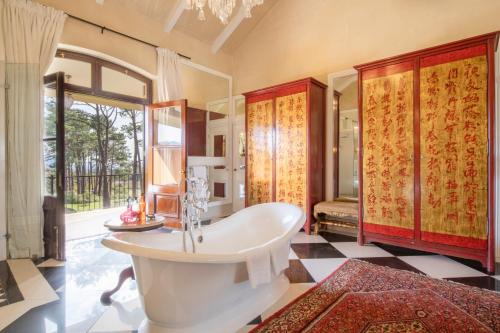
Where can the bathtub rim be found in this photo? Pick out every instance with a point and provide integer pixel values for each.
(115, 243)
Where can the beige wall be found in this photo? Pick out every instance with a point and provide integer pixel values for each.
(349, 98)
(200, 87)
(133, 23)
(300, 38)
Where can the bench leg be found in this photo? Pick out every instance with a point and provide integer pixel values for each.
(316, 227)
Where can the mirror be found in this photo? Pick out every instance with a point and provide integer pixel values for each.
(346, 135)
(207, 127)
(167, 146)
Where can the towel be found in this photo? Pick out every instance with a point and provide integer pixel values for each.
(279, 257)
(259, 268)
(200, 171)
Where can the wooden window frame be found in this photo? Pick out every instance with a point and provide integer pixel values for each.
(95, 88)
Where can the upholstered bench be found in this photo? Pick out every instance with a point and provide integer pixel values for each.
(340, 213)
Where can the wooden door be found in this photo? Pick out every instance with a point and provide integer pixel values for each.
(54, 232)
(454, 147)
(386, 142)
(259, 143)
(166, 150)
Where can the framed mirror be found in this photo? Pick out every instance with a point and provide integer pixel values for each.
(208, 134)
(346, 137)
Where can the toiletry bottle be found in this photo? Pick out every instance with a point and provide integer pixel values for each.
(142, 209)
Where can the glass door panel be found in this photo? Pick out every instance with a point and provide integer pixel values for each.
(166, 159)
(167, 146)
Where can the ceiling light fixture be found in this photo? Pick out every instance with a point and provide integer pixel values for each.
(222, 8)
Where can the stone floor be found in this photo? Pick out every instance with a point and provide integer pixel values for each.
(64, 297)
(88, 224)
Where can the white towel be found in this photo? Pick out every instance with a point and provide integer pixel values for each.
(279, 257)
(200, 171)
(259, 268)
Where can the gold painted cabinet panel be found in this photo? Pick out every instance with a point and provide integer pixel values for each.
(454, 149)
(260, 152)
(388, 172)
(291, 155)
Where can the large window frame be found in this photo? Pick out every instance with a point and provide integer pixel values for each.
(96, 78)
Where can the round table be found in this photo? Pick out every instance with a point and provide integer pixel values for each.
(118, 225)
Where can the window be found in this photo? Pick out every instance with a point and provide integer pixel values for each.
(97, 77)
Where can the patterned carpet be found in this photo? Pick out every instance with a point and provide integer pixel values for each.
(366, 298)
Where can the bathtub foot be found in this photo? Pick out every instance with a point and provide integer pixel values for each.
(124, 275)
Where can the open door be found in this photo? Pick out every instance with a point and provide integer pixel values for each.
(54, 233)
(166, 159)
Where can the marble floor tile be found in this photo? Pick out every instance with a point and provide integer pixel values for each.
(120, 316)
(256, 321)
(51, 263)
(485, 282)
(331, 237)
(316, 250)
(30, 282)
(34, 288)
(476, 264)
(354, 250)
(9, 285)
(297, 273)
(246, 329)
(392, 262)
(321, 268)
(438, 266)
(401, 251)
(302, 237)
(55, 276)
(292, 255)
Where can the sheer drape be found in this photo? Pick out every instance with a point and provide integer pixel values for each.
(31, 32)
(169, 77)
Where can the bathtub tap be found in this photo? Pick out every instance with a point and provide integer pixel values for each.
(194, 203)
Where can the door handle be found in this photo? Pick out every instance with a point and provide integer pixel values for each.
(242, 167)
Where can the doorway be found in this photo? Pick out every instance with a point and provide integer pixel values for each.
(239, 152)
(97, 128)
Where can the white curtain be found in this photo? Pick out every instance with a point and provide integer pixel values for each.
(169, 76)
(3, 216)
(31, 33)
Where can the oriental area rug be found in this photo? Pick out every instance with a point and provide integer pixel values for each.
(361, 297)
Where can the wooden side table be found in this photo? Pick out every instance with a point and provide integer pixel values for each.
(117, 225)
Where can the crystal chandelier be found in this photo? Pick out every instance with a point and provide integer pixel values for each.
(222, 8)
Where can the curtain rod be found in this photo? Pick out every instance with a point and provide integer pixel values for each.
(103, 28)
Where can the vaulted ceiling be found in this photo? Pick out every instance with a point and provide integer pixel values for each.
(174, 15)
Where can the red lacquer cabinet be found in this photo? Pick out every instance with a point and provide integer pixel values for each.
(426, 149)
(285, 129)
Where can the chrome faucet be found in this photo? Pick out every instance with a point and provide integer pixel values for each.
(194, 203)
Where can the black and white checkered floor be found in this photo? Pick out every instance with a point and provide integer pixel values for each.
(91, 269)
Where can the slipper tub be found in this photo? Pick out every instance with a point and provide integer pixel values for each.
(210, 290)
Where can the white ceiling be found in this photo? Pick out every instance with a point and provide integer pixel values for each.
(212, 31)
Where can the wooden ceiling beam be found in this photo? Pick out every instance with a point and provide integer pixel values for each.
(174, 15)
(228, 30)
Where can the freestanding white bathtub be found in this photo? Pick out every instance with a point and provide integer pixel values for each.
(208, 291)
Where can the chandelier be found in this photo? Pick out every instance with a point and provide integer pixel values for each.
(222, 8)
